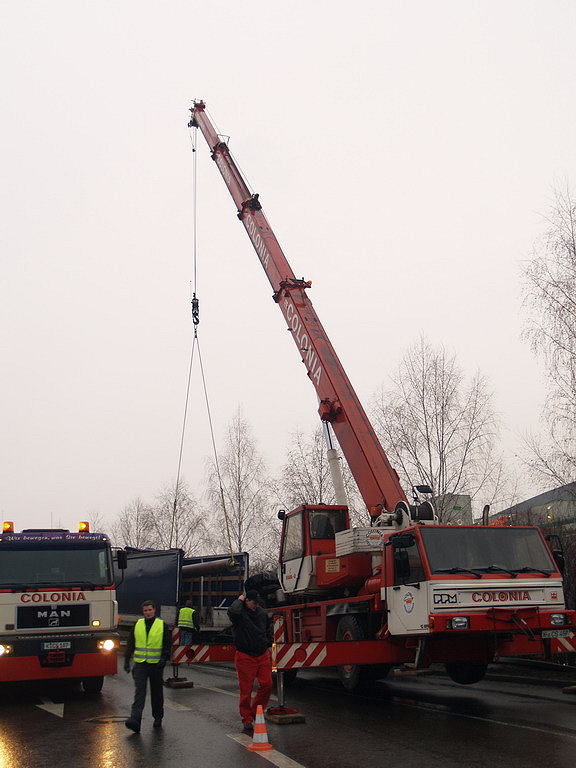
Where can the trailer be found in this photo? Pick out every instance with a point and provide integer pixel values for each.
(169, 579)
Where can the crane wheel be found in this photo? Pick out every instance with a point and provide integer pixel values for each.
(355, 676)
(467, 673)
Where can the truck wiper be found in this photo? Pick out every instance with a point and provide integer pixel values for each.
(498, 569)
(457, 569)
(530, 569)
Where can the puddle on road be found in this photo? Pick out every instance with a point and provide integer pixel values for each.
(106, 719)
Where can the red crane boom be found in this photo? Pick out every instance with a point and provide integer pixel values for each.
(376, 479)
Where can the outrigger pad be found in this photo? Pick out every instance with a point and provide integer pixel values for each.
(284, 715)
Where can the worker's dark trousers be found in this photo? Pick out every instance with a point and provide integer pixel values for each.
(141, 673)
(186, 636)
(250, 668)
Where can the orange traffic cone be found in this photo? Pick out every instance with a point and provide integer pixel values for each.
(260, 739)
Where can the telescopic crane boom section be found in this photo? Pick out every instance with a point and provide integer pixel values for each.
(376, 479)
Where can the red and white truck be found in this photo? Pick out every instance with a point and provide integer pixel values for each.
(58, 611)
(402, 590)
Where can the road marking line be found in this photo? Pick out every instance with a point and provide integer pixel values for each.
(52, 707)
(228, 693)
(514, 725)
(175, 705)
(437, 711)
(272, 755)
(217, 690)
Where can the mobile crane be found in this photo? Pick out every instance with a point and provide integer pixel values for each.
(404, 590)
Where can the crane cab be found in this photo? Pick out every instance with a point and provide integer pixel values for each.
(308, 532)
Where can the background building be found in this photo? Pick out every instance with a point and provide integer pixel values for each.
(552, 508)
(454, 509)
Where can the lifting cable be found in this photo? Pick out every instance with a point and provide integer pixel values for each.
(196, 342)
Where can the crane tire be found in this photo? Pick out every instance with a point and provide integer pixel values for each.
(354, 676)
(466, 673)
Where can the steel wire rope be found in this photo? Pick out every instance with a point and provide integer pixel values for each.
(196, 342)
(195, 319)
(226, 139)
(216, 462)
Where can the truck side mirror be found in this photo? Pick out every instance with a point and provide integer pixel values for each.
(560, 561)
(122, 560)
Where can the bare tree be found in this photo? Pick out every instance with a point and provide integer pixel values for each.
(438, 429)
(243, 487)
(306, 477)
(176, 520)
(132, 527)
(550, 299)
(161, 525)
(96, 521)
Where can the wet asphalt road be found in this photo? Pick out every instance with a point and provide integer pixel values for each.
(409, 722)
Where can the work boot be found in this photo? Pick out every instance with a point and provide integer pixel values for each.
(132, 725)
(248, 728)
(157, 723)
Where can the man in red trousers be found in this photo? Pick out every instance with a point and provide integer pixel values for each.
(252, 632)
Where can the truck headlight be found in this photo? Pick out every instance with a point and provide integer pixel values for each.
(557, 619)
(5, 650)
(460, 622)
(107, 645)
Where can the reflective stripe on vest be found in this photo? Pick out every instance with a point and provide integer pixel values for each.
(148, 646)
(185, 620)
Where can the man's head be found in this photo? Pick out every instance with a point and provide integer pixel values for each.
(252, 599)
(148, 609)
(189, 604)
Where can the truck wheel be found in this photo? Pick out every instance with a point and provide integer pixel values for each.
(93, 685)
(466, 674)
(353, 676)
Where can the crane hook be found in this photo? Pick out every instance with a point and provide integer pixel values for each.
(195, 310)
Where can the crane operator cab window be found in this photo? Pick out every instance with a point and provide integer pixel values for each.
(408, 567)
(293, 540)
(325, 524)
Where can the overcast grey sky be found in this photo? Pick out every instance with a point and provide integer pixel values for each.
(404, 154)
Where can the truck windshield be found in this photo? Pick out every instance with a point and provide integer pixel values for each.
(52, 566)
(486, 550)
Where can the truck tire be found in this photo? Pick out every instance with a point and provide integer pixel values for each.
(92, 685)
(353, 676)
(466, 674)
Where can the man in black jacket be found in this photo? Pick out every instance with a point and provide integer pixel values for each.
(252, 632)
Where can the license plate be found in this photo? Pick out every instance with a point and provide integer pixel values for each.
(61, 645)
(556, 633)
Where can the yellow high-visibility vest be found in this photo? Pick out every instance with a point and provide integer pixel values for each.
(148, 646)
(185, 618)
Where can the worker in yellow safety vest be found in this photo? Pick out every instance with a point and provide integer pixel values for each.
(149, 644)
(187, 623)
